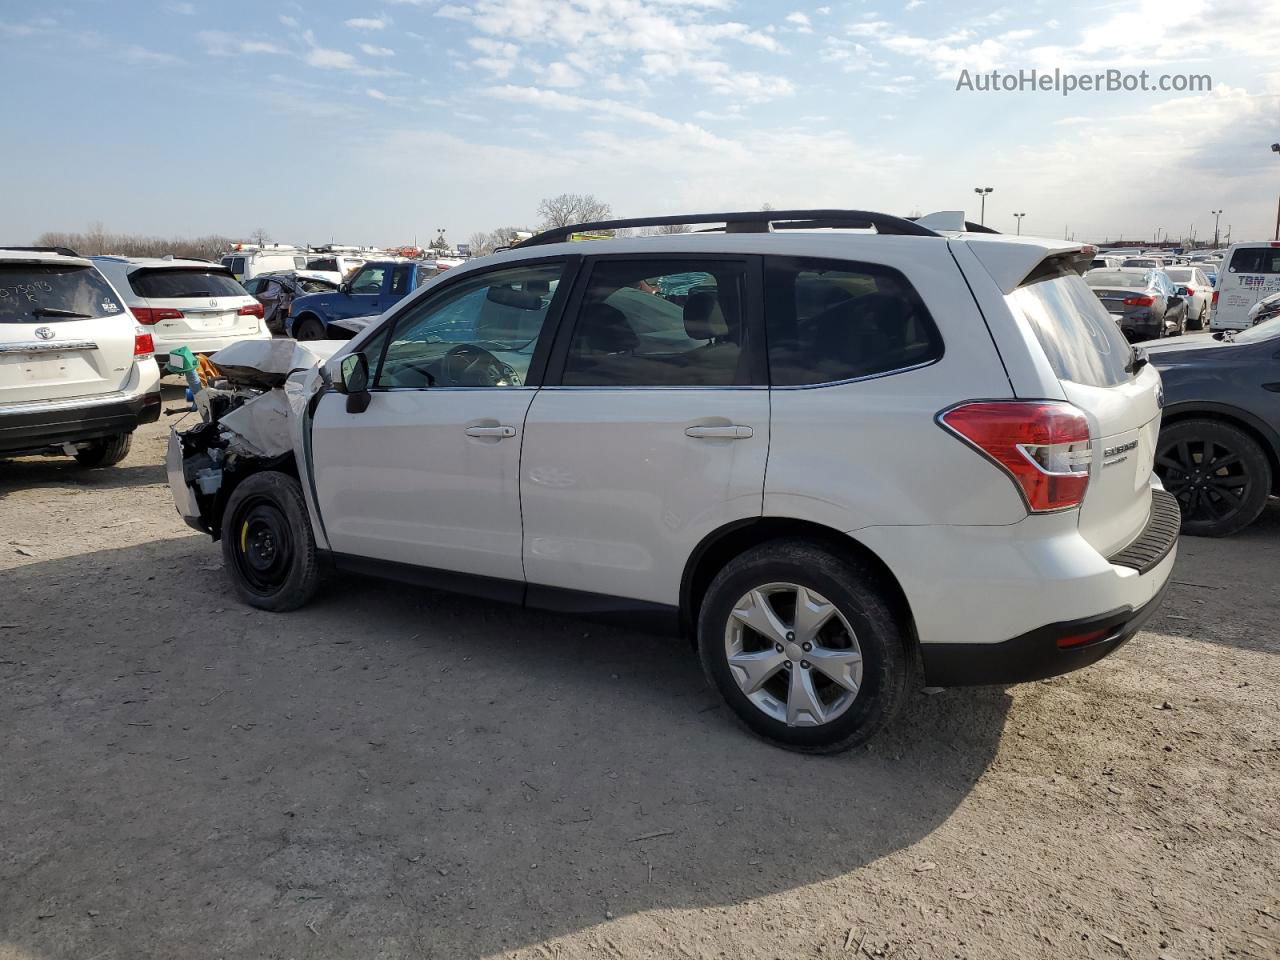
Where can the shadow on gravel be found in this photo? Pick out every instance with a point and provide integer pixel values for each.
(409, 773)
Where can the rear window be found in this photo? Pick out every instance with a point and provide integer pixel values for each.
(1082, 342)
(1179, 276)
(1111, 278)
(173, 283)
(1139, 263)
(1256, 260)
(324, 263)
(38, 293)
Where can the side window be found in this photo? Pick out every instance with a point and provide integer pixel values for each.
(254, 286)
(1256, 260)
(400, 280)
(237, 266)
(478, 332)
(299, 263)
(829, 321)
(327, 263)
(368, 280)
(647, 323)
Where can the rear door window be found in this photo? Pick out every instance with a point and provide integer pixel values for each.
(648, 323)
(829, 321)
(43, 293)
(177, 283)
(1255, 260)
(324, 263)
(1081, 340)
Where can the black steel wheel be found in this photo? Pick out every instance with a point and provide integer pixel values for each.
(1219, 474)
(267, 544)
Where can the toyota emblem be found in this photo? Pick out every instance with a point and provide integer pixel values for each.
(45, 333)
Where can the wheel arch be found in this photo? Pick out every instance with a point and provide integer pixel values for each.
(1234, 417)
(721, 545)
(245, 468)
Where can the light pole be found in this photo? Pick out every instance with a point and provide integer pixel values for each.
(982, 192)
(1019, 216)
(1275, 148)
(1217, 215)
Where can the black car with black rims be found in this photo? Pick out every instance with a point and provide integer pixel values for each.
(1219, 447)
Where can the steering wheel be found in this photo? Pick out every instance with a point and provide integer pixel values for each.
(467, 365)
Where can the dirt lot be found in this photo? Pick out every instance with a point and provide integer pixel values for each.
(396, 773)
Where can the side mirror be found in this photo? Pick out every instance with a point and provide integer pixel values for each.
(354, 382)
(344, 288)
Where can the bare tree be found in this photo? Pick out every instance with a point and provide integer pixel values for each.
(260, 237)
(570, 208)
(668, 228)
(98, 240)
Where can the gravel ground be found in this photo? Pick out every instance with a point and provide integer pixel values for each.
(399, 773)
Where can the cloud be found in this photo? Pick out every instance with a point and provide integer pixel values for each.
(288, 21)
(366, 23)
(569, 103)
(141, 55)
(324, 58)
(370, 50)
(499, 57)
(628, 38)
(800, 21)
(374, 94)
(560, 74)
(219, 44)
(181, 9)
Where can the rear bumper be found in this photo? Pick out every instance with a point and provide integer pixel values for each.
(1036, 654)
(205, 344)
(35, 426)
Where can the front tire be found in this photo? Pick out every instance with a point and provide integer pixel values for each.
(1219, 473)
(106, 452)
(804, 647)
(267, 544)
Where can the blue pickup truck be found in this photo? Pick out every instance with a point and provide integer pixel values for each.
(373, 289)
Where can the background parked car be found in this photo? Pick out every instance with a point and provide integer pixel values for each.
(277, 291)
(375, 287)
(1197, 290)
(1252, 273)
(76, 370)
(1219, 447)
(1151, 263)
(185, 303)
(1141, 300)
(335, 267)
(247, 262)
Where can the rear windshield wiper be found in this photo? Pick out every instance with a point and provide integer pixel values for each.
(1137, 360)
(57, 312)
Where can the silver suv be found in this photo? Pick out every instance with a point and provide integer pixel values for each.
(842, 451)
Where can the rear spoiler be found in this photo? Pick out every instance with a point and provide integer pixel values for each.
(1011, 261)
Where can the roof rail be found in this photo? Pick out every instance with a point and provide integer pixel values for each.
(755, 221)
(61, 251)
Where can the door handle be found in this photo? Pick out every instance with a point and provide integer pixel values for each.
(732, 432)
(499, 432)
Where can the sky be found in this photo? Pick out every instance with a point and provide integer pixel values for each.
(383, 122)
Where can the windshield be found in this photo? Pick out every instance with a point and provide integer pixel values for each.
(174, 283)
(1266, 330)
(1082, 342)
(1111, 278)
(40, 293)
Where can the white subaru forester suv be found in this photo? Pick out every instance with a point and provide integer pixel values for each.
(847, 453)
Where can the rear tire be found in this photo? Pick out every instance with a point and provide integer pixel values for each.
(308, 328)
(267, 544)
(1199, 324)
(106, 452)
(859, 674)
(1219, 473)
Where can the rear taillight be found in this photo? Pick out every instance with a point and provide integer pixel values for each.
(1191, 291)
(1043, 446)
(252, 310)
(143, 344)
(1214, 304)
(1139, 301)
(153, 315)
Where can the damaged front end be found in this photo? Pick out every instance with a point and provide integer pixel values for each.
(250, 420)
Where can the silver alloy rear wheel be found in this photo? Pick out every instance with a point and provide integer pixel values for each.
(793, 654)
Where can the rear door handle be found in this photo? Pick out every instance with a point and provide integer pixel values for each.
(499, 432)
(732, 432)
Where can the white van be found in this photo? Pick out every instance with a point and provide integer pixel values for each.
(248, 260)
(1250, 272)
